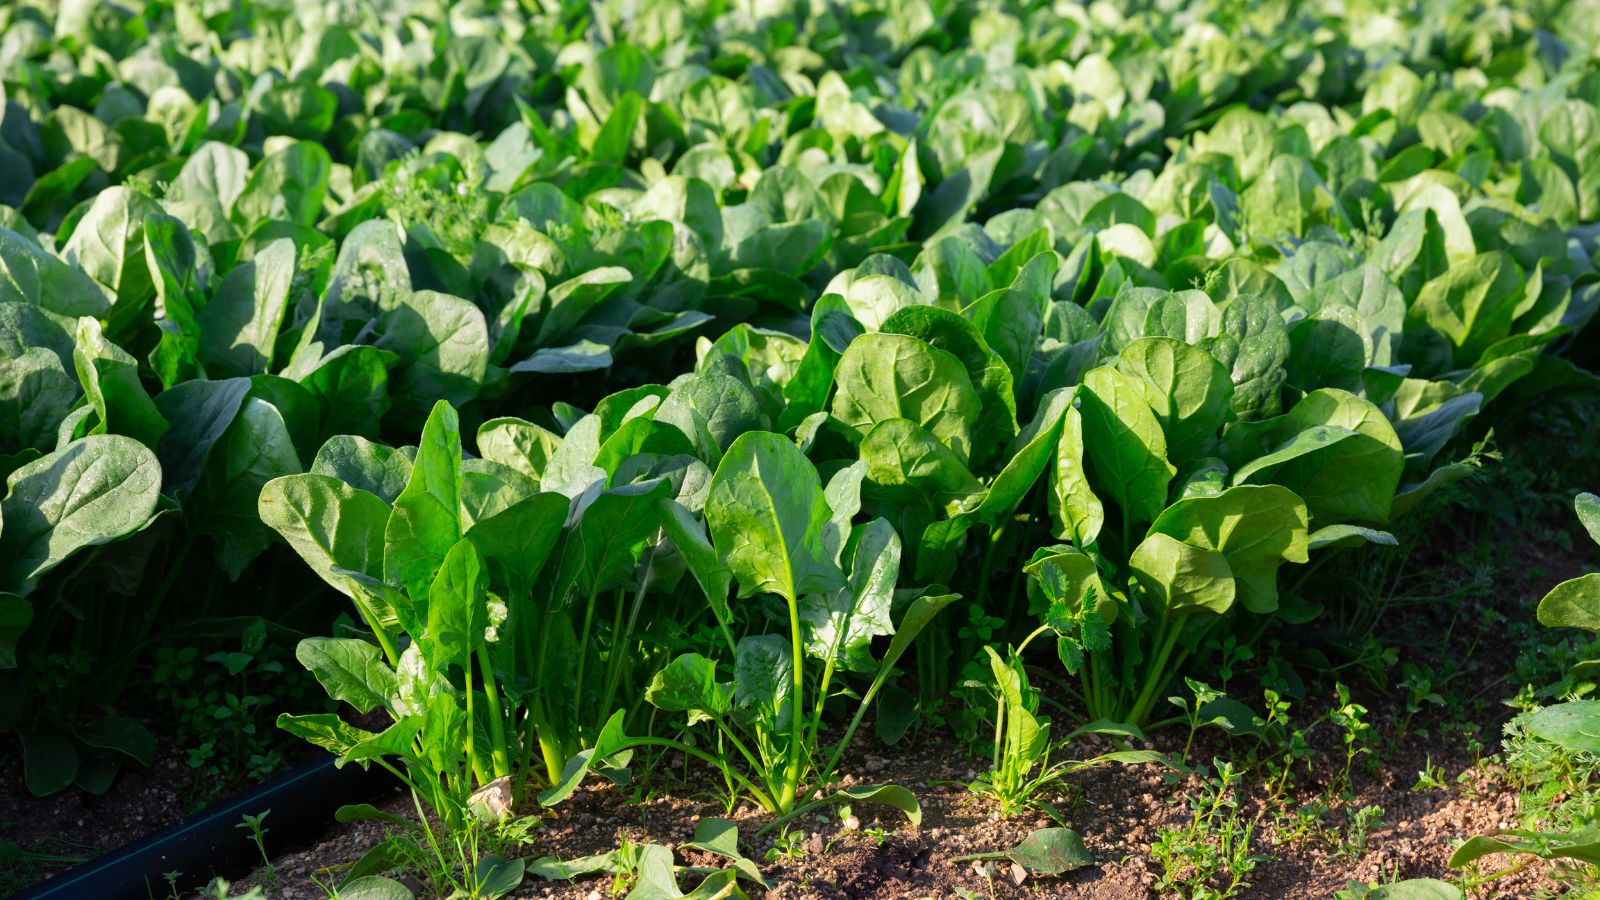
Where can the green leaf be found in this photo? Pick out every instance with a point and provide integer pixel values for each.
(551, 869)
(689, 684)
(605, 747)
(763, 682)
(1182, 578)
(989, 374)
(833, 329)
(332, 525)
(122, 735)
(426, 521)
(892, 376)
(366, 812)
(442, 343)
(688, 536)
(95, 490)
(891, 795)
(365, 465)
(374, 887)
(1035, 449)
(1336, 451)
(326, 730)
(1254, 346)
(1582, 845)
(1010, 321)
(239, 325)
(497, 877)
(1255, 528)
(1335, 536)
(351, 671)
(521, 445)
(200, 413)
(908, 463)
(1126, 449)
(1573, 726)
(839, 626)
(1472, 305)
(1045, 851)
(1075, 511)
(571, 300)
(36, 395)
(657, 879)
(1588, 508)
(290, 184)
(1189, 392)
(767, 515)
(352, 384)
(256, 448)
(108, 245)
(517, 541)
(179, 279)
(110, 379)
(49, 763)
(721, 837)
(1574, 603)
(37, 278)
(457, 613)
(606, 544)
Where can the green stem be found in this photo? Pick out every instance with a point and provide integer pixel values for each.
(497, 724)
(999, 728)
(850, 731)
(583, 656)
(1029, 639)
(822, 698)
(738, 744)
(614, 664)
(391, 651)
(1104, 700)
(986, 568)
(759, 795)
(1159, 675)
(472, 721)
(791, 778)
(539, 732)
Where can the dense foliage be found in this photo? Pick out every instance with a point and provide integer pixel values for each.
(661, 375)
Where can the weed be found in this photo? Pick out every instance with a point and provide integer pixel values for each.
(1210, 858)
(787, 846)
(258, 836)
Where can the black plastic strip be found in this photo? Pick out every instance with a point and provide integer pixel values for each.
(303, 801)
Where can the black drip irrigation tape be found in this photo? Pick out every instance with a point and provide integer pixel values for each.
(302, 800)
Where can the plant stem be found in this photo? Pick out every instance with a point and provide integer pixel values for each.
(614, 665)
(1029, 639)
(497, 724)
(791, 779)
(583, 655)
(472, 721)
(759, 795)
(1158, 677)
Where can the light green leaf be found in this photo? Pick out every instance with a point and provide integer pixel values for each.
(767, 515)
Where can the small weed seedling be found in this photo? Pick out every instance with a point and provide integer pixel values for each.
(258, 836)
(1210, 858)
